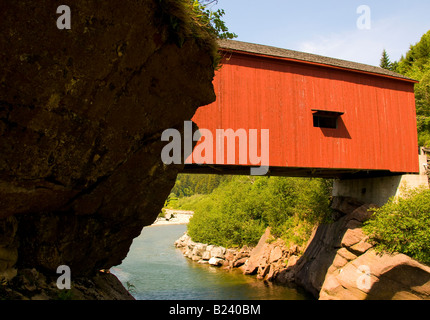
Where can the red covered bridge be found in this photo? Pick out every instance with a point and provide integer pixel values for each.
(327, 117)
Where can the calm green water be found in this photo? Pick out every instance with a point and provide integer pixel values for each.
(159, 271)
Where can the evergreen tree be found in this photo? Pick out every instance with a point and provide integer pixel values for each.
(385, 61)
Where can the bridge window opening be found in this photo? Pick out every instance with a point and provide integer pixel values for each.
(326, 119)
(325, 122)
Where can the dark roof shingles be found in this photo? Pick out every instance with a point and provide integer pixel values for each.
(306, 57)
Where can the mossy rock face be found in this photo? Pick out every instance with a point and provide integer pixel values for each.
(81, 117)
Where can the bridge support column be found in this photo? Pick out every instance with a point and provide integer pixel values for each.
(379, 190)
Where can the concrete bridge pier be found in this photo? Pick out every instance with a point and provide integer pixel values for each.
(379, 190)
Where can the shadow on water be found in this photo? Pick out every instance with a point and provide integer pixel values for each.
(155, 270)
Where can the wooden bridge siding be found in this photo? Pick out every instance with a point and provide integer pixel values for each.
(377, 132)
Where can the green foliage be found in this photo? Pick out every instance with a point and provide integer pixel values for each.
(240, 209)
(189, 184)
(423, 124)
(385, 61)
(170, 202)
(417, 56)
(403, 225)
(188, 203)
(65, 295)
(192, 19)
(211, 20)
(416, 65)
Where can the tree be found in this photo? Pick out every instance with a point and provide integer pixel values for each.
(418, 56)
(416, 65)
(385, 61)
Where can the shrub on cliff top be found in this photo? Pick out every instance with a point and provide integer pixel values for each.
(403, 225)
(192, 19)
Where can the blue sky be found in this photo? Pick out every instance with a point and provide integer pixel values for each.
(330, 27)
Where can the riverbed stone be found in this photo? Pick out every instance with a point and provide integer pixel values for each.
(240, 262)
(216, 261)
(188, 253)
(195, 258)
(255, 256)
(275, 254)
(218, 252)
(230, 254)
(199, 249)
(206, 255)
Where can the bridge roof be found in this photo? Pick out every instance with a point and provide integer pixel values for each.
(286, 54)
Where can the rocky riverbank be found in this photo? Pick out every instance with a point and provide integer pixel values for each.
(213, 255)
(338, 263)
(265, 260)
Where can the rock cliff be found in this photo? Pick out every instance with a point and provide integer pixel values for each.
(81, 116)
(339, 263)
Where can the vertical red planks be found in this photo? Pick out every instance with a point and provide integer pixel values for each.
(376, 132)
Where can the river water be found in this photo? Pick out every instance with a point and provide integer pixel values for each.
(155, 270)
